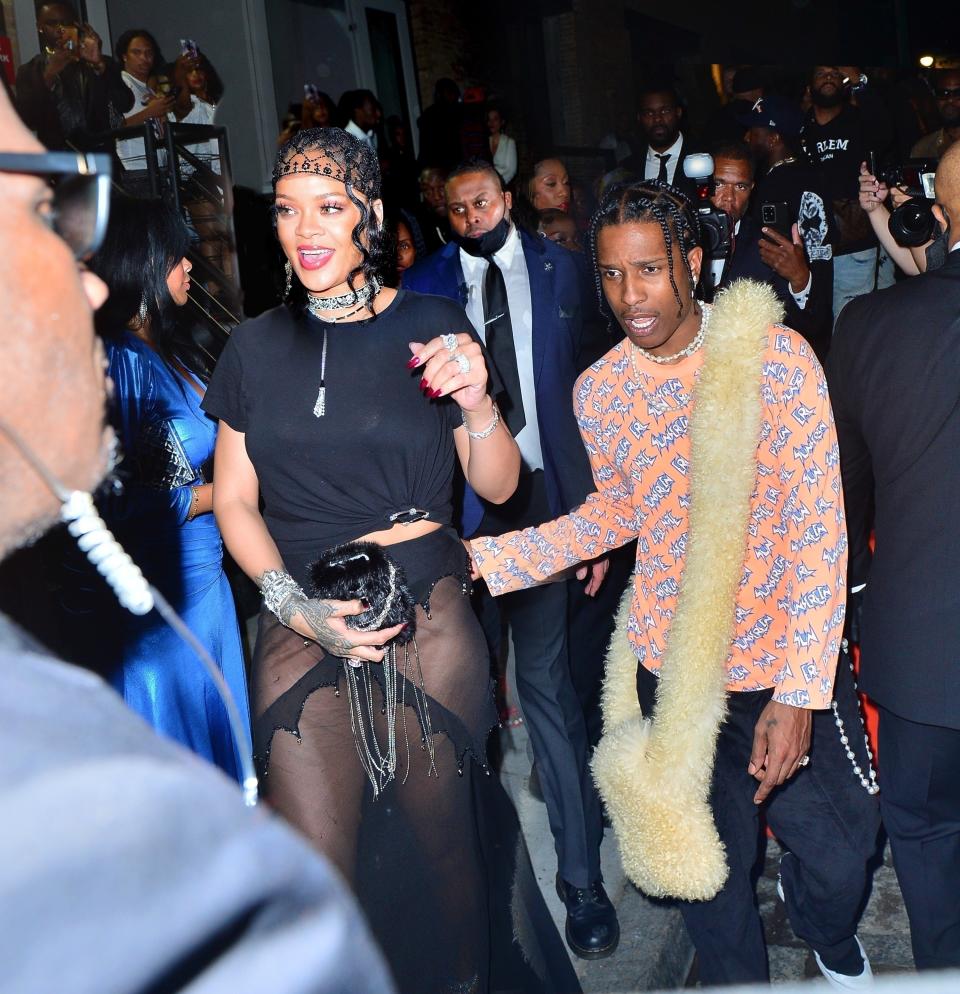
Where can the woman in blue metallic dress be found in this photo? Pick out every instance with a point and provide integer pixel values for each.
(163, 515)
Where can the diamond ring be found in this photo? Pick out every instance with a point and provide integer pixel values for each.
(805, 761)
(462, 361)
(449, 342)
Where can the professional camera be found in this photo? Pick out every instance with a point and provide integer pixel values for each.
(912, 223)
(914, 177)
(716, 226)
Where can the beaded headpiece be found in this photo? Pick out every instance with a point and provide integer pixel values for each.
(331, 152)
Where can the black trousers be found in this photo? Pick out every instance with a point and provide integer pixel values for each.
(823, 817)
(591, 622)
(551, 709)
(920, 803)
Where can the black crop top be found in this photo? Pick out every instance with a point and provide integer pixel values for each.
(381, 446)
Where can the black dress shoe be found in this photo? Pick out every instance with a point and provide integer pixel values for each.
(592, 927)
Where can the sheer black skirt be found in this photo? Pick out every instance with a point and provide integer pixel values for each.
(436, 860)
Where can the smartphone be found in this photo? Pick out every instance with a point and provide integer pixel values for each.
(71, 37)
(189, 48)
(777, 216)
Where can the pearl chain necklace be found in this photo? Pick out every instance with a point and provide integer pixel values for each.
(869, 782)
(663, 360)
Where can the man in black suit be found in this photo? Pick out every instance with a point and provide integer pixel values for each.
(761, 253)
(522, 294)
(893, 371)
(664, 146)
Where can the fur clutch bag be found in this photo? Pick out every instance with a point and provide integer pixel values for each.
(365, 571)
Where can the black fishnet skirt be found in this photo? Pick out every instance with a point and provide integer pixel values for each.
(437, 860)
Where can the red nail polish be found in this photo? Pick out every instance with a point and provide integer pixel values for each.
(414, 362)
(424, 386)
(365, 604)
(435, 393)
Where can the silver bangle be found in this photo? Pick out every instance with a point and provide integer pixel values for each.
(489, 430)
(280, 592)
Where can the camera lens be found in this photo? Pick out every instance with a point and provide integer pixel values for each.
(913, 223)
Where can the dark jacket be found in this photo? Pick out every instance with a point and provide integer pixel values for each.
(814, 320)
(795, 185)
(80, 105)
(893, 372)
(555, 299)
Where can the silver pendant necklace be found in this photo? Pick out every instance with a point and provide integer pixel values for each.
(352, 303)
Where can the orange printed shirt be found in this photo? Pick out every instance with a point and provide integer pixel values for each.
(791, 600)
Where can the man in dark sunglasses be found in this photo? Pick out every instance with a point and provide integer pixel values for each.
(946, 91)
(137, 867)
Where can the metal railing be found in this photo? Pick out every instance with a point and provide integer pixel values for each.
(199, 187)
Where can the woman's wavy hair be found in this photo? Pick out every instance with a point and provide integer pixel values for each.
(647, 201)
(145, 239)
(370, 238)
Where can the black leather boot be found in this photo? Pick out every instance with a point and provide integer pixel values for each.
(592, 927)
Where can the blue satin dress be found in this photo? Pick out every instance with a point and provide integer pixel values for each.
(166, 441)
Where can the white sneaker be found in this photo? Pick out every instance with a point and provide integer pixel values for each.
(841, 981)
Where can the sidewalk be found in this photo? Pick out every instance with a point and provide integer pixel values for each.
(654, 949)
(655, 952)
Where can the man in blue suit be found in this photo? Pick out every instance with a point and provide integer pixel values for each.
(522, 295)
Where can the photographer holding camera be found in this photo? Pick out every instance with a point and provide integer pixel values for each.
(776, 257)
(912, 259)
(70, 93)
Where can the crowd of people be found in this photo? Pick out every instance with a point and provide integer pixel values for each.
(686, 391)
(73, 95)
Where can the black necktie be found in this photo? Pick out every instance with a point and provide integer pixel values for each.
(500, 347)
(662, 175)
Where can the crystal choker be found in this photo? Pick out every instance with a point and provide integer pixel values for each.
(355, 299)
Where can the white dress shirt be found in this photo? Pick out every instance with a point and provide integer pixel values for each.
(651, 169)
(505, 158)
(369, 137)
(513, 265)
(131, 151)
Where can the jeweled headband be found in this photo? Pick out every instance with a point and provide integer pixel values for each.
(334, 153)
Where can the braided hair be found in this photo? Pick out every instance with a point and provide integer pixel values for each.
(646, 201)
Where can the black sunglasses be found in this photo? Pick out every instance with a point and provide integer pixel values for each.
(944, 93)
(81, 193)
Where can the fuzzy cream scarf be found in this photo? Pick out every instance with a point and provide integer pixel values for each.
(654, 774)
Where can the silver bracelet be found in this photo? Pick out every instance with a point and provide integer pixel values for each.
(489, 430)
(280, 593)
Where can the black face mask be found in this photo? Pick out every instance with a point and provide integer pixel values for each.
(489, 242)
